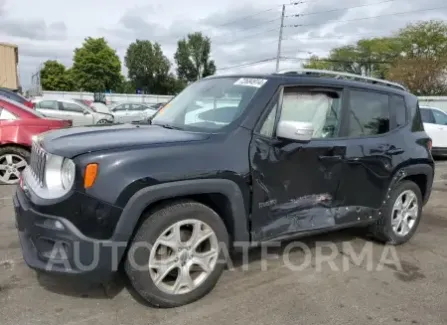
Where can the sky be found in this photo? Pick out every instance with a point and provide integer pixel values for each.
(241, 31)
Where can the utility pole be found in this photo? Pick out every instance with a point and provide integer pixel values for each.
(278, 53)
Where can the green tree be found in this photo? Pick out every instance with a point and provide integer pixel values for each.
(422, 65)
(96, 66)
(415, 56)
(148, 68)
(193, 58)
(316, 63)
(54, 76)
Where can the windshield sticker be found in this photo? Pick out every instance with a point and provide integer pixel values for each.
(251, 82)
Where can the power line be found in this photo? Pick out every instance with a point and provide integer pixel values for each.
(372, 17)
(339, 9)
(246, 64)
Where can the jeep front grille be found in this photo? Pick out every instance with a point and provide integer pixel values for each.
(37, 163)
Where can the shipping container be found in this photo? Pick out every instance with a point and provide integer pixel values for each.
(9, 59)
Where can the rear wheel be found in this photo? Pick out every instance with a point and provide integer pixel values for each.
(175, 257)
(13, 161)
(400, 215)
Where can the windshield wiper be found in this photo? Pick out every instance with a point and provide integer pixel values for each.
(169, 126)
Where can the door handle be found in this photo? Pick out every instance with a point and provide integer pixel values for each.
(330, 158)
(394, 151)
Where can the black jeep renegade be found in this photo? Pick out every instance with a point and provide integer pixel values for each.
(230, 160)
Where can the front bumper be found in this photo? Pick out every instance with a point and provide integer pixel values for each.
(53, 244)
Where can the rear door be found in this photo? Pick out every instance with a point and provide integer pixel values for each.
(49, 108)
(78, 114)
(295, 183)
(374, 147)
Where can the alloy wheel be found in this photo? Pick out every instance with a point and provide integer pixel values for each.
(183, 256)
(11, 165)
(405, 213)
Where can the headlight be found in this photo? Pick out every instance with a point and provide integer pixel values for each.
(68, 173)
(59, 175)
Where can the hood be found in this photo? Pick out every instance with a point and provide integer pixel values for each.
(75, 141)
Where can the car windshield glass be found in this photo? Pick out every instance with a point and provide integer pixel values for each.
(209, 104)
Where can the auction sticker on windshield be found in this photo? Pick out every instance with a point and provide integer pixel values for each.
(251, 82)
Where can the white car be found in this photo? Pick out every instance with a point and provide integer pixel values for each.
(129, 112)
(73, 110)
(435, 124)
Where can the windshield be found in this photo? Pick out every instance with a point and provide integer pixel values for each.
(209, 104)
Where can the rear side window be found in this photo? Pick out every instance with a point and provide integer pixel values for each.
(427, 115)
(47, 104)
(368, 113)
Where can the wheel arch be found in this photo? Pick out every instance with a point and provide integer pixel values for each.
(223, 196)
(421, 174)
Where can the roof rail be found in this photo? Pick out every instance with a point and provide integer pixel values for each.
(343, 75)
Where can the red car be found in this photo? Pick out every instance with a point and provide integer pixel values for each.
(18, 124)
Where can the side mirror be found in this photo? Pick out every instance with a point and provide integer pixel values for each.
(297, 131)
(86, 112)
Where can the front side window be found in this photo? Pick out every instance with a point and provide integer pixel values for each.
(322, 109)
(209, 104)
(368, 113)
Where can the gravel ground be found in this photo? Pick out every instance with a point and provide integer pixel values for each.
(260, 292)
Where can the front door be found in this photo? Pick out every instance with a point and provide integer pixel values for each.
(295, 183)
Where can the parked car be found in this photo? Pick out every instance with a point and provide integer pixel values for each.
(128, 112)
(79, 113)
(4, 92)
(18, 124)
(435, 124)
(300, 152)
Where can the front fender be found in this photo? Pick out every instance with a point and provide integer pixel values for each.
(152, 194)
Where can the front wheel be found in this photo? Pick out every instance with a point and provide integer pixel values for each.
(176, 256)
(103, 121)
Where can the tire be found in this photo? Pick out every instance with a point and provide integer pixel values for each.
(16, 154)
(103, 121)
(157, 224)
(383, 230)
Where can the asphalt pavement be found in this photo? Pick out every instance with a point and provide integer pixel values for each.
(403, 285)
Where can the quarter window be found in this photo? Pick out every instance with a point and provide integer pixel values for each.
(6, 115)
(400, 110)
(368, 113)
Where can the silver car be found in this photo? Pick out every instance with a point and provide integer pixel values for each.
(73, 110)
(129, 112)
